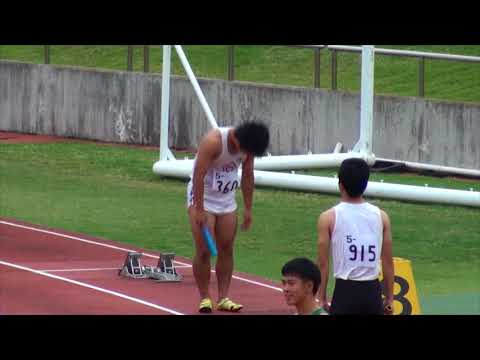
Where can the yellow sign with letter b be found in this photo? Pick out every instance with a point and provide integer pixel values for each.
(404, 289)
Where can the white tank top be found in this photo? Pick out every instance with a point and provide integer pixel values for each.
(221, 179)
(357, 241)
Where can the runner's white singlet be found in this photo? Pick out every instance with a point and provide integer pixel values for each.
(221, 180)
(357, 241)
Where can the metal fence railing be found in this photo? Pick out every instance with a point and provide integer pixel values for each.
(317, 49)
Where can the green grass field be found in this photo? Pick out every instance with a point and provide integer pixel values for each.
(111, 192)
(444, 80)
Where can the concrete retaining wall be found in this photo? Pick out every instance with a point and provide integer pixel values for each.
(125, 107)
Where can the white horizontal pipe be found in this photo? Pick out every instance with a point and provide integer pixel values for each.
(426, 55)
(196, 87)
(299, 162)
(177, 168)
(411, 53)
(436, 168)
(183, 169)
(296, 162)
(423, 194)
(374, 189)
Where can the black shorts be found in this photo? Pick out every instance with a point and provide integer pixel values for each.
(357, 297)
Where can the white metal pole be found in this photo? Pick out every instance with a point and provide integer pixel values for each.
(435, 168)
(183, 169)
(367, 97)
(164, 151)
(299, 162)
(196, 87)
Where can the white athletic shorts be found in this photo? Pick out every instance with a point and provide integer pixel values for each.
(214, 202)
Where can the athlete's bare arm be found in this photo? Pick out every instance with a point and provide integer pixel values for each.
(324, 227)
(248, 186)
(209, 149)
(387, 260)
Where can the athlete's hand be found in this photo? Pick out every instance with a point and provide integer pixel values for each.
(388, 307)
(324, 304)
(247, 220)
(199, 216)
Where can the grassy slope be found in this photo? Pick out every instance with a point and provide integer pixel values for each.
(111, 192)
(445, 80)
(85, 203)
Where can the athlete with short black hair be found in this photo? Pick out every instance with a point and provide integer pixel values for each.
(359, 236)
(211, 202)
(300, 282)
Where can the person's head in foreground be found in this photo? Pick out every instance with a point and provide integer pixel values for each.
(253, 137)
(300, 282)
(353, 178)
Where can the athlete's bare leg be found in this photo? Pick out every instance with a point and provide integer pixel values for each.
(201, 261)
(225, 230)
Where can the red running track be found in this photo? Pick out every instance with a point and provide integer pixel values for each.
(54, 272)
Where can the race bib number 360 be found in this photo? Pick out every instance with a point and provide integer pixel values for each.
(361, 252)
(225, 181)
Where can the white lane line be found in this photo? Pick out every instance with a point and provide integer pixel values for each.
(124, 249)
(114, 293)
(98, 269)
(73, 270)
(75, 238)
(182, 266)
(257, 283)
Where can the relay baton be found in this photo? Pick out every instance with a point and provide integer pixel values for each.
(209, 240)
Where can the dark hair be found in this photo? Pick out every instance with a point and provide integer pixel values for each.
(305, 269)
(353, 175)
(253, 137)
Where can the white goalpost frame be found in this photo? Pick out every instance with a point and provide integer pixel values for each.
(168, 166)
(263, 163)
(196, 87)
(366, 100)
(165, 153)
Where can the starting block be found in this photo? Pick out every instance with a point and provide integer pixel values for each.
(164, 272)
(132, 267)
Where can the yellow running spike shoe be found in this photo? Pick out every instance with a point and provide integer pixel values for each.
(206, 306)
(228, 305)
